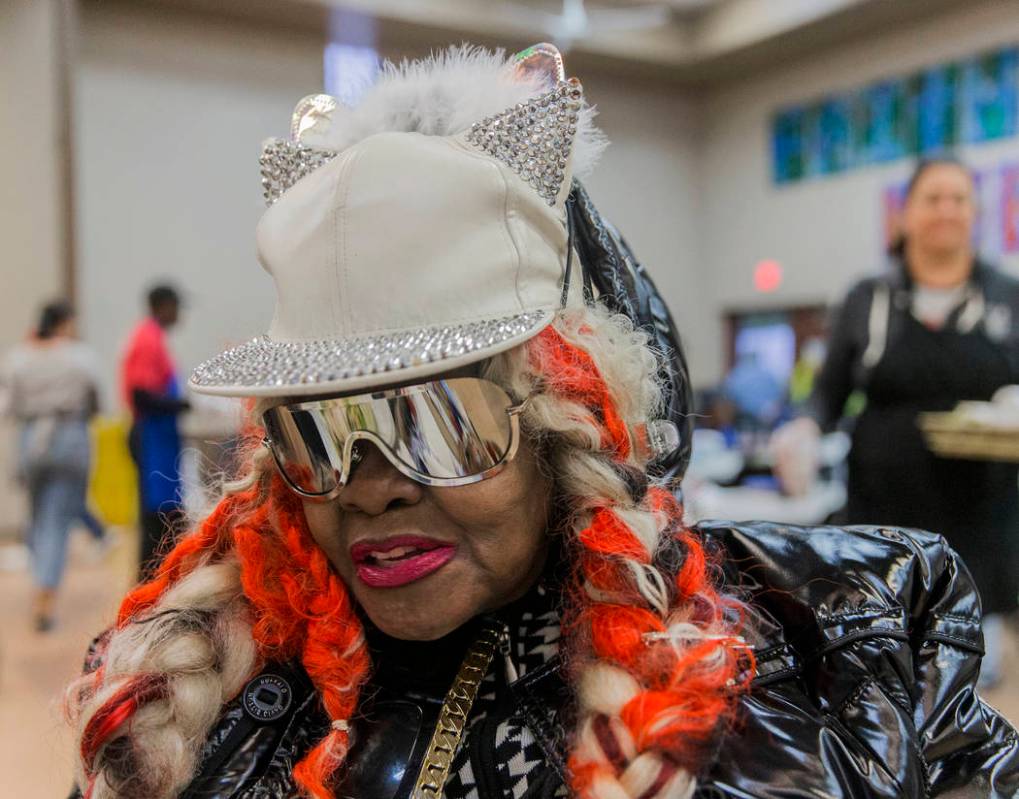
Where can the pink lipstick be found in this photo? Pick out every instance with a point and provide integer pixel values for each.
(399, 560)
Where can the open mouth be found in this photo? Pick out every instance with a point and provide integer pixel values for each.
(400, 560)
(393, 555)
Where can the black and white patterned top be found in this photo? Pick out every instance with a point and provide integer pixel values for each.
(512, 744)
(516, 767)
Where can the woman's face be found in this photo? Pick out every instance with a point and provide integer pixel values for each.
(939, 214)
(385, 534)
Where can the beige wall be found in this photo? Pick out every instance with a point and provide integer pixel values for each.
(646, 185)
(171, 110)
(826, 232)
(31, 211)
(30, 205)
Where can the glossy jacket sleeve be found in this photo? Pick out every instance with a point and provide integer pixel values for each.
(868, 646)
(968, 748)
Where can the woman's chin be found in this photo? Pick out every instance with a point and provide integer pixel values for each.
(947, 242)
(423, 627)
(412, 614)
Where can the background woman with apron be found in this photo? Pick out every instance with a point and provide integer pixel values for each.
(939, 328)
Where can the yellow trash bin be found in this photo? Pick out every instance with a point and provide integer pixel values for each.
(113, 488)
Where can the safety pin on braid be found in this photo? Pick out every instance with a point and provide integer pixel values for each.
(737, 640)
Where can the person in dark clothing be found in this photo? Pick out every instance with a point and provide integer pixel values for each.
(151, 389)
(939, 328)
(450, 565)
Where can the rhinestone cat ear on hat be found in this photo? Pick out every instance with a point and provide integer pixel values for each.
(285, 161)
(533, 138)
(403, 242)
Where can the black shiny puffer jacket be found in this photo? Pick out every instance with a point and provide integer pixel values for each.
(868, 649)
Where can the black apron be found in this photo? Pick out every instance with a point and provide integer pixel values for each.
(894, 478)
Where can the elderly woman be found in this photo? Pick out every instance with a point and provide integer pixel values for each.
(452, 567)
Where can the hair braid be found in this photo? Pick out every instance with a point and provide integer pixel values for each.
(166, 670)
(334, 651)
(208, 540)
(653, 653)
(247, 585)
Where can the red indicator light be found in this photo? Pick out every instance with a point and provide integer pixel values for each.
(767, 276)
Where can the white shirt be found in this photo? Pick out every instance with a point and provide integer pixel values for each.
(49, 377)
(932, 306)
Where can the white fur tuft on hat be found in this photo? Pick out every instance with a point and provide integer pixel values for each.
(445, 94)
(419, 232)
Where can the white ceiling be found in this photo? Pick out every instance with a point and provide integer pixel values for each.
(707, 31)
(691, 40)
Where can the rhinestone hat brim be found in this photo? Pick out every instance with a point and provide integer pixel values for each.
(265, 367)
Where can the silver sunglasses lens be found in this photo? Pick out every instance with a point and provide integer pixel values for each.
(442, 430)
(456, 429)
(303, 454)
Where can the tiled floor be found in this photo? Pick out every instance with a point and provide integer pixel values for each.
(35, 758)
(35, 745)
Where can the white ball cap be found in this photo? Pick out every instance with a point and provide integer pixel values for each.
(408, 255)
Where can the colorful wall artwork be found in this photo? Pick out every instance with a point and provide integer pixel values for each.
(967, 102)
(1009, 211)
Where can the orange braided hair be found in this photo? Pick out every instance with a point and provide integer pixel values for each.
(685, 693)
(302, 609)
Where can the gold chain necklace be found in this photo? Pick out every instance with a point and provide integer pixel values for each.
(453, 716)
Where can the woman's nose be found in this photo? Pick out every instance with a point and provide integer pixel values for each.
(375, 485)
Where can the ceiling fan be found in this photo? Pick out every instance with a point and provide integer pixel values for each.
(576, 22)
